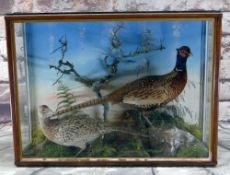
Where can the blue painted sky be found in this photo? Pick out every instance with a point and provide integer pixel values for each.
(89, 42)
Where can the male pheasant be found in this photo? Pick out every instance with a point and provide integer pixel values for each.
(148, 92)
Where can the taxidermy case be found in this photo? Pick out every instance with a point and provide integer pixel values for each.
(105, 89)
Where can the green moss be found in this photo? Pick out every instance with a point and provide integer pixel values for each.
(197, 150)
(29, 151)
(37, 136)
(50, 149)
(117, 144)
(166, 121)
(193, 129)
(162, 120)
(53, 150)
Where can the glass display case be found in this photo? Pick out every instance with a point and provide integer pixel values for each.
(134, 89)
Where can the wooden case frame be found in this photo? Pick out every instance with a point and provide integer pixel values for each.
(21, 161)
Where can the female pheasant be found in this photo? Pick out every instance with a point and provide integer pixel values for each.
(147, 92)
(79, 130)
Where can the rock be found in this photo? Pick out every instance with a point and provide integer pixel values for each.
(176, 138)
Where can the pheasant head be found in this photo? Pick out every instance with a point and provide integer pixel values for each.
(45, 112)
(182, 54)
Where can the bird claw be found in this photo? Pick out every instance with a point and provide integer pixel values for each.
(149, 122)
(41, 145)
(79, 152)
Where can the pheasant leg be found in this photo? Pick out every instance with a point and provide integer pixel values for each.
(145, 116)
(79, 152)
(40, 146)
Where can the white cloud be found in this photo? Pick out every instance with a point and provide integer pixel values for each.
(176, 30)
(51, 43)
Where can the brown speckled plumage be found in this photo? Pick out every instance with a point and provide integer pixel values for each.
(76, 130)
(71, 131)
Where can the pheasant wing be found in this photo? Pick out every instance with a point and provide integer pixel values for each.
(146, 97)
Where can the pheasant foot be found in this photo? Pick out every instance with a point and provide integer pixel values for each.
(40, 146)
(150, 124)
(79, 152)
(144, 115)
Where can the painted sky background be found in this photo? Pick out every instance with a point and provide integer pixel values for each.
(89, 42)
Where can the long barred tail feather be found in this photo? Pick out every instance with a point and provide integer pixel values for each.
(129, 131)
(80, 106)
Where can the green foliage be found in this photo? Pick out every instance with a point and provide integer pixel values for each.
(54, 150)
(194, 129)
(37, 136)
(98, 149)
(165, 121)
(49, 149)
(117, 144)
(162, 120)
(65, 97)
(197, 150)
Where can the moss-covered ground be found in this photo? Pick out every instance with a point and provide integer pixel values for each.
(116, 144)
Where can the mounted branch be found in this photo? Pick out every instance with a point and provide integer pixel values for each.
(111, 60)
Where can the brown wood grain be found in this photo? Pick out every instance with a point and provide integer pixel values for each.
(13, 89)
(215, 107)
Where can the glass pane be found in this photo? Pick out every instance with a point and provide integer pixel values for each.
(138, 88)
(22, 85)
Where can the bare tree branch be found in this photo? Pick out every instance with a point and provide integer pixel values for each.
(116, 54)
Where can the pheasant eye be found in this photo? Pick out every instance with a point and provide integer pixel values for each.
(185, 52)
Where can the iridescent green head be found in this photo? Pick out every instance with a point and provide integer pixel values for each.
(182, 54)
